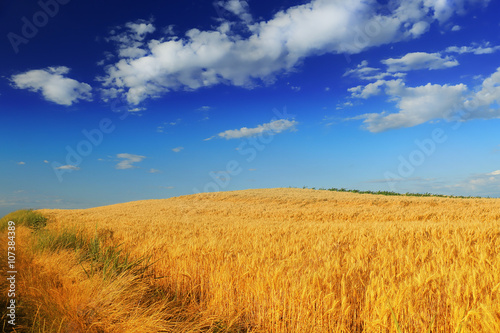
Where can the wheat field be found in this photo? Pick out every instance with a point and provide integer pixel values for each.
(284, 260)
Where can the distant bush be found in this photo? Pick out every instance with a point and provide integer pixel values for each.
(408, 194)
(26, 217)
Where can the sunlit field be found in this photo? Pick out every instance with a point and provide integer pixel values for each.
(271, 260)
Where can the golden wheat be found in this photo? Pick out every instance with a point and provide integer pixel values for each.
(293, 260)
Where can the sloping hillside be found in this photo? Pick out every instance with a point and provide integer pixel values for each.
(286, 260)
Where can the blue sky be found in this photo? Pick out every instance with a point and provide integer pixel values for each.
(123, 101)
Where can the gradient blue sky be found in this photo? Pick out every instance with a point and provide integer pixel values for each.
(118, 101)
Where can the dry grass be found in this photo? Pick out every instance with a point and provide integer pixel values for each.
(285, 260)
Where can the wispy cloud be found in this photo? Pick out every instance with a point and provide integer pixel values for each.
(475, 48)
(419, 60)
(54, 86)
(177, 149)
(365, 72)
(274, 127)
(161, 128)
(7, 203)
(238, 8)
(483, 184)
(128, 161)
(68, 167)
(204, 108)
(154, 171)
(136, 110)
(400, 180)
(21, 163)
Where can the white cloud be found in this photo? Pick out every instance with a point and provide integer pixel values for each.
(421, 104)
(68, 167)
(53, 85)
(136, 109)
(364, 72)
(484, 184)
(177, 149)
(456, 28)
(477, 49)
(21, 163)
(344, 105)
(416, 105)
(264, 49)
(154, 170)
(237, 7)
(419, 28)
(204, 108)
(130, 39)
(419, 60)
(128, 160)
(274, 127)
(45, 161)
(141, 28)
(368, 90)
(484, 103)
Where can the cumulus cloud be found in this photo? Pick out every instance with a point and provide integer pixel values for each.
(128, 160)
(68, 167)
(484, 103)
(130, 39)
(417, 105)
(273, 127)
(258, 51)
(477, 49)
(419, 60)
(21, 163)
(54, 86)
(365, 72)
(368, 90)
